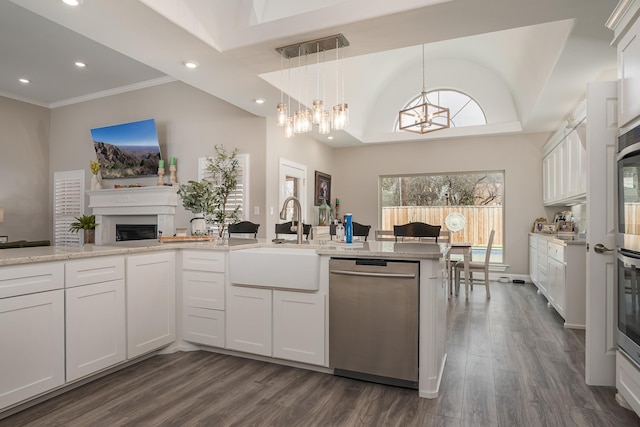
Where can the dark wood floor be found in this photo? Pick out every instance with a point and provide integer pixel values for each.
(510, 363)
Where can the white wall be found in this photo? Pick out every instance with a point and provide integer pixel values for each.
(355, 181)
(189, 121)
(300, 149)
(24, 170)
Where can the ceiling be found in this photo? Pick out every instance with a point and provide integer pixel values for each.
(526, 63)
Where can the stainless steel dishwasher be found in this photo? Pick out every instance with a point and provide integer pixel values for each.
(373, 320)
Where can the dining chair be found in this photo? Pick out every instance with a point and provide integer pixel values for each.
(359, 230)
(482, 267)
(244, 227)
(285, 228)
(417, 229)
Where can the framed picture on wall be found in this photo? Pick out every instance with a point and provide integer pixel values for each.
(322, 188)
(4, 239)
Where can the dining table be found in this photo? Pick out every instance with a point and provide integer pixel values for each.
(464, 249)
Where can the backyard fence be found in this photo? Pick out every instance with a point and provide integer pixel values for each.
(480, 220)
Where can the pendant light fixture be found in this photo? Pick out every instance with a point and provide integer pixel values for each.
(281, 116)
(424, 117)
(303, 119)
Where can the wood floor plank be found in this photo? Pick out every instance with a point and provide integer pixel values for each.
(510, 363)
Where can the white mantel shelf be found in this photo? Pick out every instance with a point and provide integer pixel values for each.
(111, 206)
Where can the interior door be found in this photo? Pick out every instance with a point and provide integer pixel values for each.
(602, 130)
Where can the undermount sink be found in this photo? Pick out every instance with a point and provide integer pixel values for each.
(286, 268)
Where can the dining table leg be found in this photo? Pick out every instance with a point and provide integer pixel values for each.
(466, 260)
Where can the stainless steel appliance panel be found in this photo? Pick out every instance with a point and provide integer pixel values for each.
(373, 320)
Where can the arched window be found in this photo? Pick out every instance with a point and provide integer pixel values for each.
(463, 109)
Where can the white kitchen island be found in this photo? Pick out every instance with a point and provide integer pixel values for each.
(189, 288)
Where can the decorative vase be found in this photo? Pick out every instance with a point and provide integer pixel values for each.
(89, 236)
(96, 183)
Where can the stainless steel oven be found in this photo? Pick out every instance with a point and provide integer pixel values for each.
(628, 236)
(629, 303)
(628, 243)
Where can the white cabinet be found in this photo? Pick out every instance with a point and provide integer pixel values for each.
(249, 320)
(629, 75)
(564, 178)
(95, 315)
(298, 326)
(276, 323)
(203, 297)
(150, 302)
(556, 276)
(628, 381)
(31, 331)
(560, 275)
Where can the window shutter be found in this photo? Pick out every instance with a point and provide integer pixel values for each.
(240, 196)
(68, 189)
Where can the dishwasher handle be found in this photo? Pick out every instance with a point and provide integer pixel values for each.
(370, 274)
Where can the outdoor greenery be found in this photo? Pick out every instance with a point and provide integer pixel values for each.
(468, 189)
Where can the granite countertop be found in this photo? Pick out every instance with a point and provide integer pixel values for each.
(386, 249)
(568, 241)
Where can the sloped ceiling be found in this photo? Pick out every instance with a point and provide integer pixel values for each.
(526, 63)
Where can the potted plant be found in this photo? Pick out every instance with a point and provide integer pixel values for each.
(199, 198)
(224, 169)
(208, 198)
(86, 223)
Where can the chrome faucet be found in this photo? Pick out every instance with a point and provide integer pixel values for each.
(297, 214)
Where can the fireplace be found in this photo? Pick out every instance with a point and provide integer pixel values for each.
(125, 232)
(141, 207)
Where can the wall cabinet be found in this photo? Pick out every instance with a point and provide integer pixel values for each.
(629, 75)
(31, 331)
(95, 315)
(150, 302)
(203, 297)
(564, 177)
(559, 272)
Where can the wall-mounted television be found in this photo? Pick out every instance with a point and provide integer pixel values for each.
(127, 150)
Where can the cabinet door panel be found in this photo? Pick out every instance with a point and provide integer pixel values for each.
(32, 336)
(298, 326)
(249, 320)
(203, 289)
(150, 302)
(203, 326)
(95, 326)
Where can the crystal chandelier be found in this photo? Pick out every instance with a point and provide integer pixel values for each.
(303, 119)
(424, 117)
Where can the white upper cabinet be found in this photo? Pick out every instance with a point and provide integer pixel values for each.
(564, 171)
(627, 41)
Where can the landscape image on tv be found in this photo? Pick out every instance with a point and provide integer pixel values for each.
(127, 150)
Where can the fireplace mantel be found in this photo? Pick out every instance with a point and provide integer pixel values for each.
(113, 206)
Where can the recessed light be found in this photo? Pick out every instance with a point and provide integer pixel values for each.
(80, 64)
(72, 2)
(259, 100)
(23, 80)
(329, 137)
(191, 64)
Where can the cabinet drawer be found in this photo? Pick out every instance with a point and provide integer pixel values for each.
(203, 326)
(96, 270)
(31, 278)
(204, 289)
(556, 251)
(203, 261)
(543, 247)
(628, 381)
